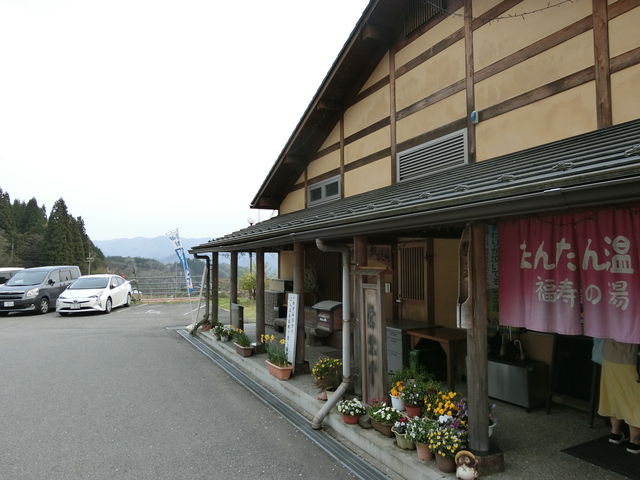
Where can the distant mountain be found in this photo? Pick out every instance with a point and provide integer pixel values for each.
(159, 248)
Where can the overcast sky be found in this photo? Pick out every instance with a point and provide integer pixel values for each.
(147, 115)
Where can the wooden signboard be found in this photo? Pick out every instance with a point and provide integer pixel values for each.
(291, 327)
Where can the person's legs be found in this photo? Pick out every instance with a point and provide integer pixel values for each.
(634, 441)
(617, 433)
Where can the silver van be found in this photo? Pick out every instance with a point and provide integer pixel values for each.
(7, 272)
(36, 289)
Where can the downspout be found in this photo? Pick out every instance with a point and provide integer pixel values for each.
(316, 424)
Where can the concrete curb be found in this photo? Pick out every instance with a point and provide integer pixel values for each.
(365, 442)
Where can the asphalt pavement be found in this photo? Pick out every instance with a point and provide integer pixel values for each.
(123, 396)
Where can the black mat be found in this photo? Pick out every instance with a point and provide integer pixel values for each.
(614, 458)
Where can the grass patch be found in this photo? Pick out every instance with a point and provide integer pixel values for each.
(248, 304)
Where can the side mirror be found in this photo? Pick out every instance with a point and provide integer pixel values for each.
(51, 281)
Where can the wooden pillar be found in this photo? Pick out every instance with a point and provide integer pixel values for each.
(477, 366)
(233, 279)
(360, 251)
(298, 287)
(602, 65)
(259, 293)
(215, 287)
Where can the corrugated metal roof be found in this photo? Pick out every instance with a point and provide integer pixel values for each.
(588, 161)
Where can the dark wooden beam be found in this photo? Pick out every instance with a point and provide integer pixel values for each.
(300, 365)
(477, 359)
(260, 317)
(329, 105)
(602, 67)
(468, 49)
(392, 114)
(215, 287)
(233, 278)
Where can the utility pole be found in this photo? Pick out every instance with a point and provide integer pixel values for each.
(89, 260)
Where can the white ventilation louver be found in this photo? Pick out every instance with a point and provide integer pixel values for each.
(434, 156)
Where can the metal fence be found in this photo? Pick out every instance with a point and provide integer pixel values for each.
(168, 287)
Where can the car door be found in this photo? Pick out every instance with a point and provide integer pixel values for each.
(117, 291)
(54, 286)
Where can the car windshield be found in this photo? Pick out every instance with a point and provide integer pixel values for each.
(89, 283)
(27, 278)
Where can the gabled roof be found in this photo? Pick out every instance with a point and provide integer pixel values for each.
(597, 168)
(372, 36)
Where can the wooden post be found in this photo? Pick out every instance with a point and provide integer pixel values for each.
(360, 251)
(298, 287)
(233, 279)
(259, 293)
(477, 366)
(215, 287)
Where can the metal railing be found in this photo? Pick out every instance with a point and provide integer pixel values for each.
(168, 287)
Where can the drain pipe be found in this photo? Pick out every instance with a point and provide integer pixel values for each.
(316, 424)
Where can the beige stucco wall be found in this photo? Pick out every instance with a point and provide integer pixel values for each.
(323, 164)
(560, 61)
(435, 74)
(560, 116)
(381, 71)
(333, 138)
(445, 264)
(293, 201)
(368, 177)
(367, 111)
(372, 143)
(624, 32)
(496, 40)
(434, 116)
(428, 39)
(625, 94)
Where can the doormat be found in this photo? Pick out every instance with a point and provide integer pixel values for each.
(614, 458)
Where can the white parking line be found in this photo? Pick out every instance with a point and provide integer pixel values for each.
(194, 310)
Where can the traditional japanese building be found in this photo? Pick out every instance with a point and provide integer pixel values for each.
(480, 162)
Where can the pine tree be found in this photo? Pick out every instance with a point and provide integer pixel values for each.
(59, 236)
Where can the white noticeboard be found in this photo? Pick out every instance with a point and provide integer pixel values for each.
(292, 327)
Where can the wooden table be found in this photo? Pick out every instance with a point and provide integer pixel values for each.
(452, 340)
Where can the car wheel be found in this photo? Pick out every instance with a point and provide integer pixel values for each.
(44, 305)
(108, 306)
(128, 301)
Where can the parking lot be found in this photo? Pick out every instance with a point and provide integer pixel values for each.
(122, 395)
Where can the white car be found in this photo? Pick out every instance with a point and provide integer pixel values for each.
(98, 293)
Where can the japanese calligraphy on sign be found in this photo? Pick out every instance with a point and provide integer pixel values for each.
(573, 274)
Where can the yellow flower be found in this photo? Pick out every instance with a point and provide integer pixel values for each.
(282, 341)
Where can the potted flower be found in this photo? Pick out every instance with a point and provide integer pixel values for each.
(396, 396)
(350, 410)
(243, 343)
(413, 393)
(444, 442)
(218, 330)
(442, 403)
(327, 373)
(418, 430)
(399, 429)
(227, 333)
(277, 362)
(383, 417)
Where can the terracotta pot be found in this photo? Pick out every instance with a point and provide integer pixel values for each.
(445, 464)
(281, 373)
(413, 410)
(424, 452)
(205, 328)
(397, 403)
(350, 419)
(243, 351)
(382, 428)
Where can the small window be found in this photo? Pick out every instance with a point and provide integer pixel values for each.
(55, 276)
(65, 275)
(324, 191)
(75, 273)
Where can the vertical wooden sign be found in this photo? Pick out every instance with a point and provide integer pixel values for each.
(291, 327)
